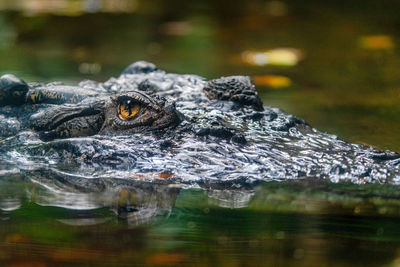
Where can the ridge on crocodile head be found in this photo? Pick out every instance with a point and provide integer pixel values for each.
(149, 122)
(59, 111)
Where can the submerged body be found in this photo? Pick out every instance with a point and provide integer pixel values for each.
(148, 124)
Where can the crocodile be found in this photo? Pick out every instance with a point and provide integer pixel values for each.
(151, 125)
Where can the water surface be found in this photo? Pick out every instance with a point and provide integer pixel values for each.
(345, 80)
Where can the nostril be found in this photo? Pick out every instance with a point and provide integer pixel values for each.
(12, 90)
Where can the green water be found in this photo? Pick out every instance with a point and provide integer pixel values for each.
(295, 223)
(341, 85)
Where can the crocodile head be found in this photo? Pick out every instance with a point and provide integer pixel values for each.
(59, 111)
(126, 129)
(120, 114)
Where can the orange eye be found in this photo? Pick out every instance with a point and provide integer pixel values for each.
(127, 111)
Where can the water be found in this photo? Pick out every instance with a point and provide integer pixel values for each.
(345, 82)
(296, 223)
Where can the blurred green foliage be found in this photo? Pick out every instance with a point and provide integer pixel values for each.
(347, 83)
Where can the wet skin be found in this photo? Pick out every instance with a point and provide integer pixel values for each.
(58, 111)
(179, 126)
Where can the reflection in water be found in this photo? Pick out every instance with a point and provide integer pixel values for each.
(347, 84)
(140, 202)
(84, 221)
(9, 204)
(136, 202)
(233, 199)
(164, 224)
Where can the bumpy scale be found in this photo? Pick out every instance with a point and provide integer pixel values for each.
(181, 127)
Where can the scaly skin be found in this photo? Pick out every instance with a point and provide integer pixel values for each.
(148, 122)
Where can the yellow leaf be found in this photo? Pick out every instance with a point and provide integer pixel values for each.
(274, 81)
(376, 42)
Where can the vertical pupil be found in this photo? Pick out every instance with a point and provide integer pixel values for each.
(127, 109)
(130, 109)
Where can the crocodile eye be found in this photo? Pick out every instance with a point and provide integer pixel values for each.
(127, 110)
(134, 111)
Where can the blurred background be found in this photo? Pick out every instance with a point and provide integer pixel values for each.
(333, 63)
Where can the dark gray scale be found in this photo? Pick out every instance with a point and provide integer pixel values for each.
(70, 119)
(140, 67)
(53, 116)
(64, 111)
(58, 94)
(12, 90)
(238, 89)
(147, 87)
(75, 127)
